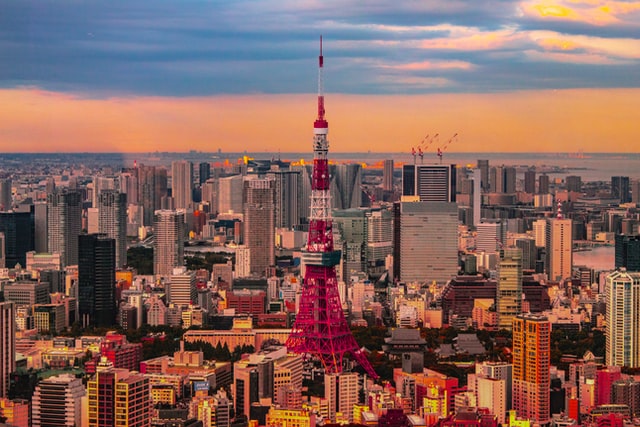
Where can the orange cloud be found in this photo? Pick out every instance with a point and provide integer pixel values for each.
(432, 65)
(552, 121)
(594, 12)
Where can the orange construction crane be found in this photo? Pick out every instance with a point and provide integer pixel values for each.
(444, 147)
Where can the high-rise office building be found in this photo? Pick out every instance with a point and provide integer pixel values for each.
(5, 195)
(204, 170)
(259, 230)
(152, 187)
(182, 184)
(64, 219)
(530, 181)
(490, 235)
(540, 232)
(432, 183)
(425, 243)
(128, 184)
(620, 188)
(40, 231)
(483, 165)
(387, 175)
(304, 187)
(18, 237)
(635, 191)
(379, 240)
(3, 253)
(341, 392)
(7, 345)
(503, 179)
(531, 360)
(57, 401)
(346, 183)
(112, 221)
(230, 194)
(529, 253)
(182, 288)
(97, 280)
(350, 225)
(623, 319)
(118, 398)
(287, 198)
(168, 248)
(543, 184)
(627, 251)
(574, 183)
(209, 190)
(509, 287)
(559, 246)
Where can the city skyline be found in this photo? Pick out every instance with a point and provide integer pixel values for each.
(505, 76)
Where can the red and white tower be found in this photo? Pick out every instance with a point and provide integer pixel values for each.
(320, 329)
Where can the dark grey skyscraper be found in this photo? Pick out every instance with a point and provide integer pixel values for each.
(204, 170)
(628, 252)
(483, 165)
(530, 182)
(64, 219)
(5, 194)
(543, 184)
(287, 198)
(432, 183)
(259, 230)
(152, 187)
(574, 183)
(620, 188)
(7, 345)
(18, 234)
(346, 185)
(97, 280)
(112, 221)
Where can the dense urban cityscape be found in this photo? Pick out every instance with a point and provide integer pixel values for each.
(427, 294)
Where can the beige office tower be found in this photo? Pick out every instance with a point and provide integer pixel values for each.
(259, 229)
(559, 249)
(182, 184)
(509, 289)
(341, 392)
(112, 221)
(168, 250)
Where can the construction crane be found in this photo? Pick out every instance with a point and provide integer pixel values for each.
(444, 147)
(370, 195)
(419, 149)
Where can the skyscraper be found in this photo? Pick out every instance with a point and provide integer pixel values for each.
(182, 184)
(230, 194)
(627, 252)
(57, 401)
(168, 248)
(543, 184)
(509, 288)
(574, 183)
(287, 201)
(531, 360)
(387, 175)
(97, 280)
(432, 183)
(620, 188)
(7, 345)
(64, 219)
(346, 186)
(483, 165)
(5, 195)
(530, 181)
(341, 392)
(40, 231)
(152, 187)
(112, 221)
(490, 235)
(259, 230)
(425, 241)
(623, 319)
(559, 246)
(350, 226)
(204, 170)
(18, 237)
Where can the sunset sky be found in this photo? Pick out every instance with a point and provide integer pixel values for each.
(236, 75)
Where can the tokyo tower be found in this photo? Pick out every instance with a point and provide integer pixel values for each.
(320, 328)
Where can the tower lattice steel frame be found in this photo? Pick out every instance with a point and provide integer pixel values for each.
(320, 328)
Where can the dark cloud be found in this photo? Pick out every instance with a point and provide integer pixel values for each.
(188, 47)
